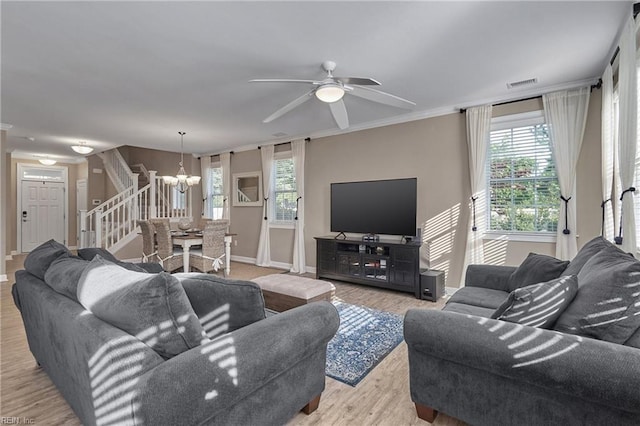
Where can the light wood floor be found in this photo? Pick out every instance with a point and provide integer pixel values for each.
(381, 398)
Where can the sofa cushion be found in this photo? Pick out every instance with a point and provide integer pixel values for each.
(585, 253)
(64, 274)
(152, 307)
(538, 305)
(38, 260)
(607, 306)
(222, 305)
(90, 252)
(536, 268)
(461, 308)
(479, 296)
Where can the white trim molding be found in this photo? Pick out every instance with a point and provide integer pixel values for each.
(3, 278)
(530, 237)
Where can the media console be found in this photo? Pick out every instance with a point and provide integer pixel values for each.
(383, 263)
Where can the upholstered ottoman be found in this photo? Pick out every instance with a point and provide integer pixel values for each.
(285, 291)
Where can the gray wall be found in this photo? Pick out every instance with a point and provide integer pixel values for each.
(435, 151)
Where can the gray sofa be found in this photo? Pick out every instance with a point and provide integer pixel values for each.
(249, 370)
(582, 368)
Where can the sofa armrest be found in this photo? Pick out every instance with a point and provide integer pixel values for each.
(204, 382)
(495, 277)
(222, 305)
(589, 369)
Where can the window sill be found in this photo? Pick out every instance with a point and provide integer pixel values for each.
(282, 225)
(532, 237)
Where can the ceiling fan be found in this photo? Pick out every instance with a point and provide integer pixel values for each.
(332, 89)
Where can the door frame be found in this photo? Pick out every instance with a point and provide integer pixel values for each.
(65, 176)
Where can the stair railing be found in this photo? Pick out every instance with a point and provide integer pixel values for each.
(118, 170)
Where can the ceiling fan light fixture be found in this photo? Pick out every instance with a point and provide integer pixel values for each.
(82, 148)
(330, 92)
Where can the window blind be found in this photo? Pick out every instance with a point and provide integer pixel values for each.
(284, 188)
(523, 190)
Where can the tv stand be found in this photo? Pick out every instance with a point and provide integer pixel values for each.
(371, 237)
(383, 263)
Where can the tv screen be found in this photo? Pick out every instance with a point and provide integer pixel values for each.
(374, 207)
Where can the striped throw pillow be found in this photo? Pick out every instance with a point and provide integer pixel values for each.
(538, 305)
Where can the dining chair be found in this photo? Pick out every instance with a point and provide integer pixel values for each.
(149, 252)
(211, 256)
(169, 257)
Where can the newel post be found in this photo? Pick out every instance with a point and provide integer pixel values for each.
(153, 205)
(82, 238)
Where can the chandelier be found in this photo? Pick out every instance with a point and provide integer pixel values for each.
(181, 181)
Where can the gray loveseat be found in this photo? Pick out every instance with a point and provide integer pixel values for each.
(581, 368)
(249, 370)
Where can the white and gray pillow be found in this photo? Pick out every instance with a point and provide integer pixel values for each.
(538, 305)
(152, 307)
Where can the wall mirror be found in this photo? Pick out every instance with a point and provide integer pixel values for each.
(247, 189)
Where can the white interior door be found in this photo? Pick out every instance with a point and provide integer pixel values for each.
(41, 213)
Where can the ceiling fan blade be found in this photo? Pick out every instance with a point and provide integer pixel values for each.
(288, 107)
(381, 97)
(358, 80)
(279, 80)
(339, 112)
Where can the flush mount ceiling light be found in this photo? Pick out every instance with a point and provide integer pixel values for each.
(82, 148)
(47, 161)
(181, 181)
(330, 92)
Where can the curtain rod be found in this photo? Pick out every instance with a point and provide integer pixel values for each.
(598, 85)
(463, 110)
(284, 143)
(214, 155)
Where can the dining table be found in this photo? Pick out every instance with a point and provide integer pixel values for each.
(188, 239)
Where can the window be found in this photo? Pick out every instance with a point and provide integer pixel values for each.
(178, 199)
(216, 193)
(522, 185)
(284, 194)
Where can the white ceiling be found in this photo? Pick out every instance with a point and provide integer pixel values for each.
(135, 73)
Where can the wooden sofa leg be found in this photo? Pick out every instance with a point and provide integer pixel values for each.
(312, 405)
(426, 413)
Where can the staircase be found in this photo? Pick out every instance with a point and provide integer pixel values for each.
(142, 195)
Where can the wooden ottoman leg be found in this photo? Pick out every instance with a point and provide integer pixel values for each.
(426, 413)
(312, 405)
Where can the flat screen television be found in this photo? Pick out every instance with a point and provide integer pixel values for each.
(374, 207)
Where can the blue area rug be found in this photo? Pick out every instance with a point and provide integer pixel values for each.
(364, 338)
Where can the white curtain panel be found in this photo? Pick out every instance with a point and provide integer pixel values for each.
(627, 132)
(225, 163)
(264, 245)
(478, 128)
(607, 153)
(566, 116)
(205, 167)
(299, 258)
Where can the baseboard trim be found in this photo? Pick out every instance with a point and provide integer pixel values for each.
(278, 265)
(14, 252)
(3, 278)
(243, 259)
(73, 247)
(8, 257)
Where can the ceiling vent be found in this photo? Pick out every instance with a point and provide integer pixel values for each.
(521, 83)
